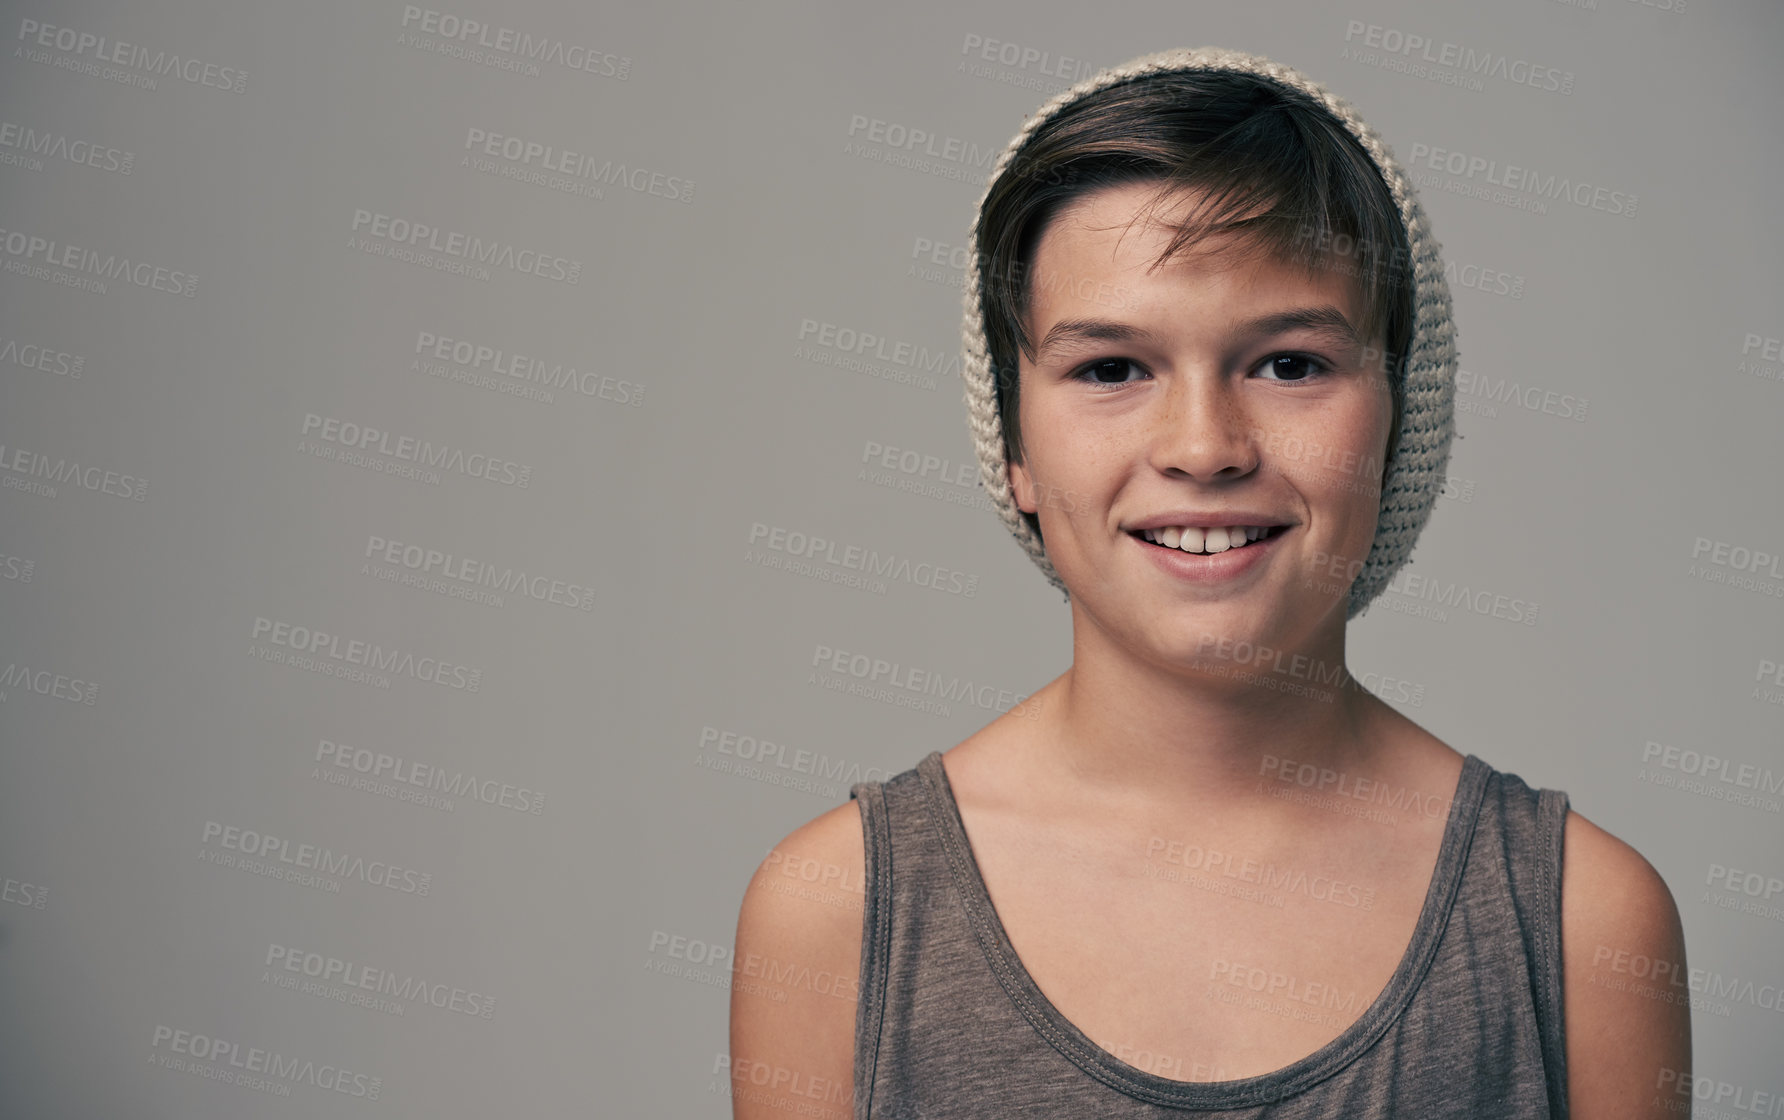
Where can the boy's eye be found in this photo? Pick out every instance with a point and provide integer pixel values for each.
(1282, 367)
(1293, 367)
(1097, 372)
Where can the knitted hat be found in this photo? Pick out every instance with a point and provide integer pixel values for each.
(1415, 474)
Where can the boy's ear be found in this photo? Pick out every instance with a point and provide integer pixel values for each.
(1022, 487)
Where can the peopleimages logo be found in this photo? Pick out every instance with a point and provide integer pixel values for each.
(522, 369)
(17, 568)
(85, 45)
(1265, 874)
(1741, 775)
(1512, 177)
(22, 469)
(1463, 59)
(16, 892)
(365, 439)
(471, 38)
(283, 859)
(419, 781)
(908, 686)
(1504, 390)
(396, 236)
(45, 683)
(25, 142)
(1039, 62)
(1689, 1087)
(764, 752)
(893, 135)
(1741, 558)
(222, 1059)
(866, 344)
(29, 250)
(365, 979)
(307, 642)
(1670, 980)
(431, 564)
(855, 558)
(573, 172)
(31, 355)
(1426, 589)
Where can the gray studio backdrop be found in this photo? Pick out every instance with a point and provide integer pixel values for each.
(419, 425)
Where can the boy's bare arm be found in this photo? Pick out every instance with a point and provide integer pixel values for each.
(796, 981)
(1625, 983)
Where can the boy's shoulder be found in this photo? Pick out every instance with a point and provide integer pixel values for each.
(797, 957)
(826, 852)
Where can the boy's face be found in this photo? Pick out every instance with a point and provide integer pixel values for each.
(1207, 408)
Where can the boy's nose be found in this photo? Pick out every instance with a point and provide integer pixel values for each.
(1202, 429)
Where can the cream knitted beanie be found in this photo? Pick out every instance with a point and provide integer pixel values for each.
(1415, 475)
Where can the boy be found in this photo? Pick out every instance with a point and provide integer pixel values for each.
(1210, 374)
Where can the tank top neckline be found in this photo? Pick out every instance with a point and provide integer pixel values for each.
(1278, 1084)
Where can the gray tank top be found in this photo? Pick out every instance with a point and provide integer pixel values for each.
(950, 1024)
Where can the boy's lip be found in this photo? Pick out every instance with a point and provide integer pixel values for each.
(1210, 568)
(1205, 519)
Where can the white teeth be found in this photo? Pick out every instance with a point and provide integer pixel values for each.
(1215, 540)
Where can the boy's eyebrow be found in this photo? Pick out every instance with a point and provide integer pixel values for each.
(1069, 334)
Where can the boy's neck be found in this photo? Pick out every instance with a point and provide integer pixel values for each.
(1130, 729)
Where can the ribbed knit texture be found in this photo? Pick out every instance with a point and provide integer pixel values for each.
(1415, 476)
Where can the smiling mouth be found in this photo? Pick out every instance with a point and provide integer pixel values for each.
(1206, 542)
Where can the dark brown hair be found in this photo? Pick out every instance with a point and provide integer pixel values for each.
(1280, 173)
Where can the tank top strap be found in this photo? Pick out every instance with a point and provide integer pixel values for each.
(1531, 828)
(876, 927)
